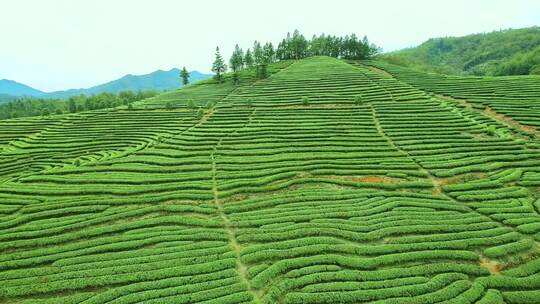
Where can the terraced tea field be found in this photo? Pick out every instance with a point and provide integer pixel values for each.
(328, 182)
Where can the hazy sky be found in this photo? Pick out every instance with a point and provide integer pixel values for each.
(61, 44)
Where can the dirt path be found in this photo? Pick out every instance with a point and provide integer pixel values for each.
(229, 228)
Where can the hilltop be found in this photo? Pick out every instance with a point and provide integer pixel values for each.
(507, 52)
(329, 181)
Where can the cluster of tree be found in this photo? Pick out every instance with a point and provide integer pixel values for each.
(294, 46)
(260, 57)
(348, 47)
(506, 52)
(25, 107)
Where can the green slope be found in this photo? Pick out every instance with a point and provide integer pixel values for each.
(508, 52)
(376, 190)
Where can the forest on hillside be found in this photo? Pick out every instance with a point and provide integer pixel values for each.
(506, 52)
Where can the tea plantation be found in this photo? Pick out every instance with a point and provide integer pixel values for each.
(328, 182)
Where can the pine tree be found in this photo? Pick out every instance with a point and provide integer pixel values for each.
(269, 53)
(236, 63)
(258, 59)
(219, 67)
(248, 59)
(299, 45)
(184, 74)
(257, 53)
(237, 59)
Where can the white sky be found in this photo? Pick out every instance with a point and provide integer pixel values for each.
(62, 44)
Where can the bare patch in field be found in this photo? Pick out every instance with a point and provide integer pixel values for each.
(494, 267)
(367, 179)
(325, 105)
(508, 120)
(380, 72)
(460, 179)
(205, 117)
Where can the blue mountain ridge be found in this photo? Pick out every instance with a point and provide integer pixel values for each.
(158, 80)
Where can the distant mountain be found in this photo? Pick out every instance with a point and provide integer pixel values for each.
(507, 52)
(13, 88)
(159, 80)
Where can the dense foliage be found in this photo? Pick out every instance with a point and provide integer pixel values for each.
(506, 52)
(40, 106)
(348, 47)
(522, 63)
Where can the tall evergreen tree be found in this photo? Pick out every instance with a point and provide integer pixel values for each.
(298, 45)
(184, 74)
(269, 54)
(258, 55)
(219, 67)
(280, 51)
(259, 59)
(248, 59)
(236, 63)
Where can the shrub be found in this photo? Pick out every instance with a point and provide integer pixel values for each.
(200, 113)
(305, 100)
(358, 99)
(490, 130)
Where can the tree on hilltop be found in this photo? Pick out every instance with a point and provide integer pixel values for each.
(237, 59)
(184, 74)
(269, 53)
(299, 45)
(219, 67)
(248, 59)
(236, 62)
(259, 59)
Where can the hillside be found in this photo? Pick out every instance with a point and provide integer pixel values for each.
(328, 182)
(158, 80)
(508, 52)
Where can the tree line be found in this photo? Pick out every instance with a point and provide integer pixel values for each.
(294, 46)
(25, 107)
